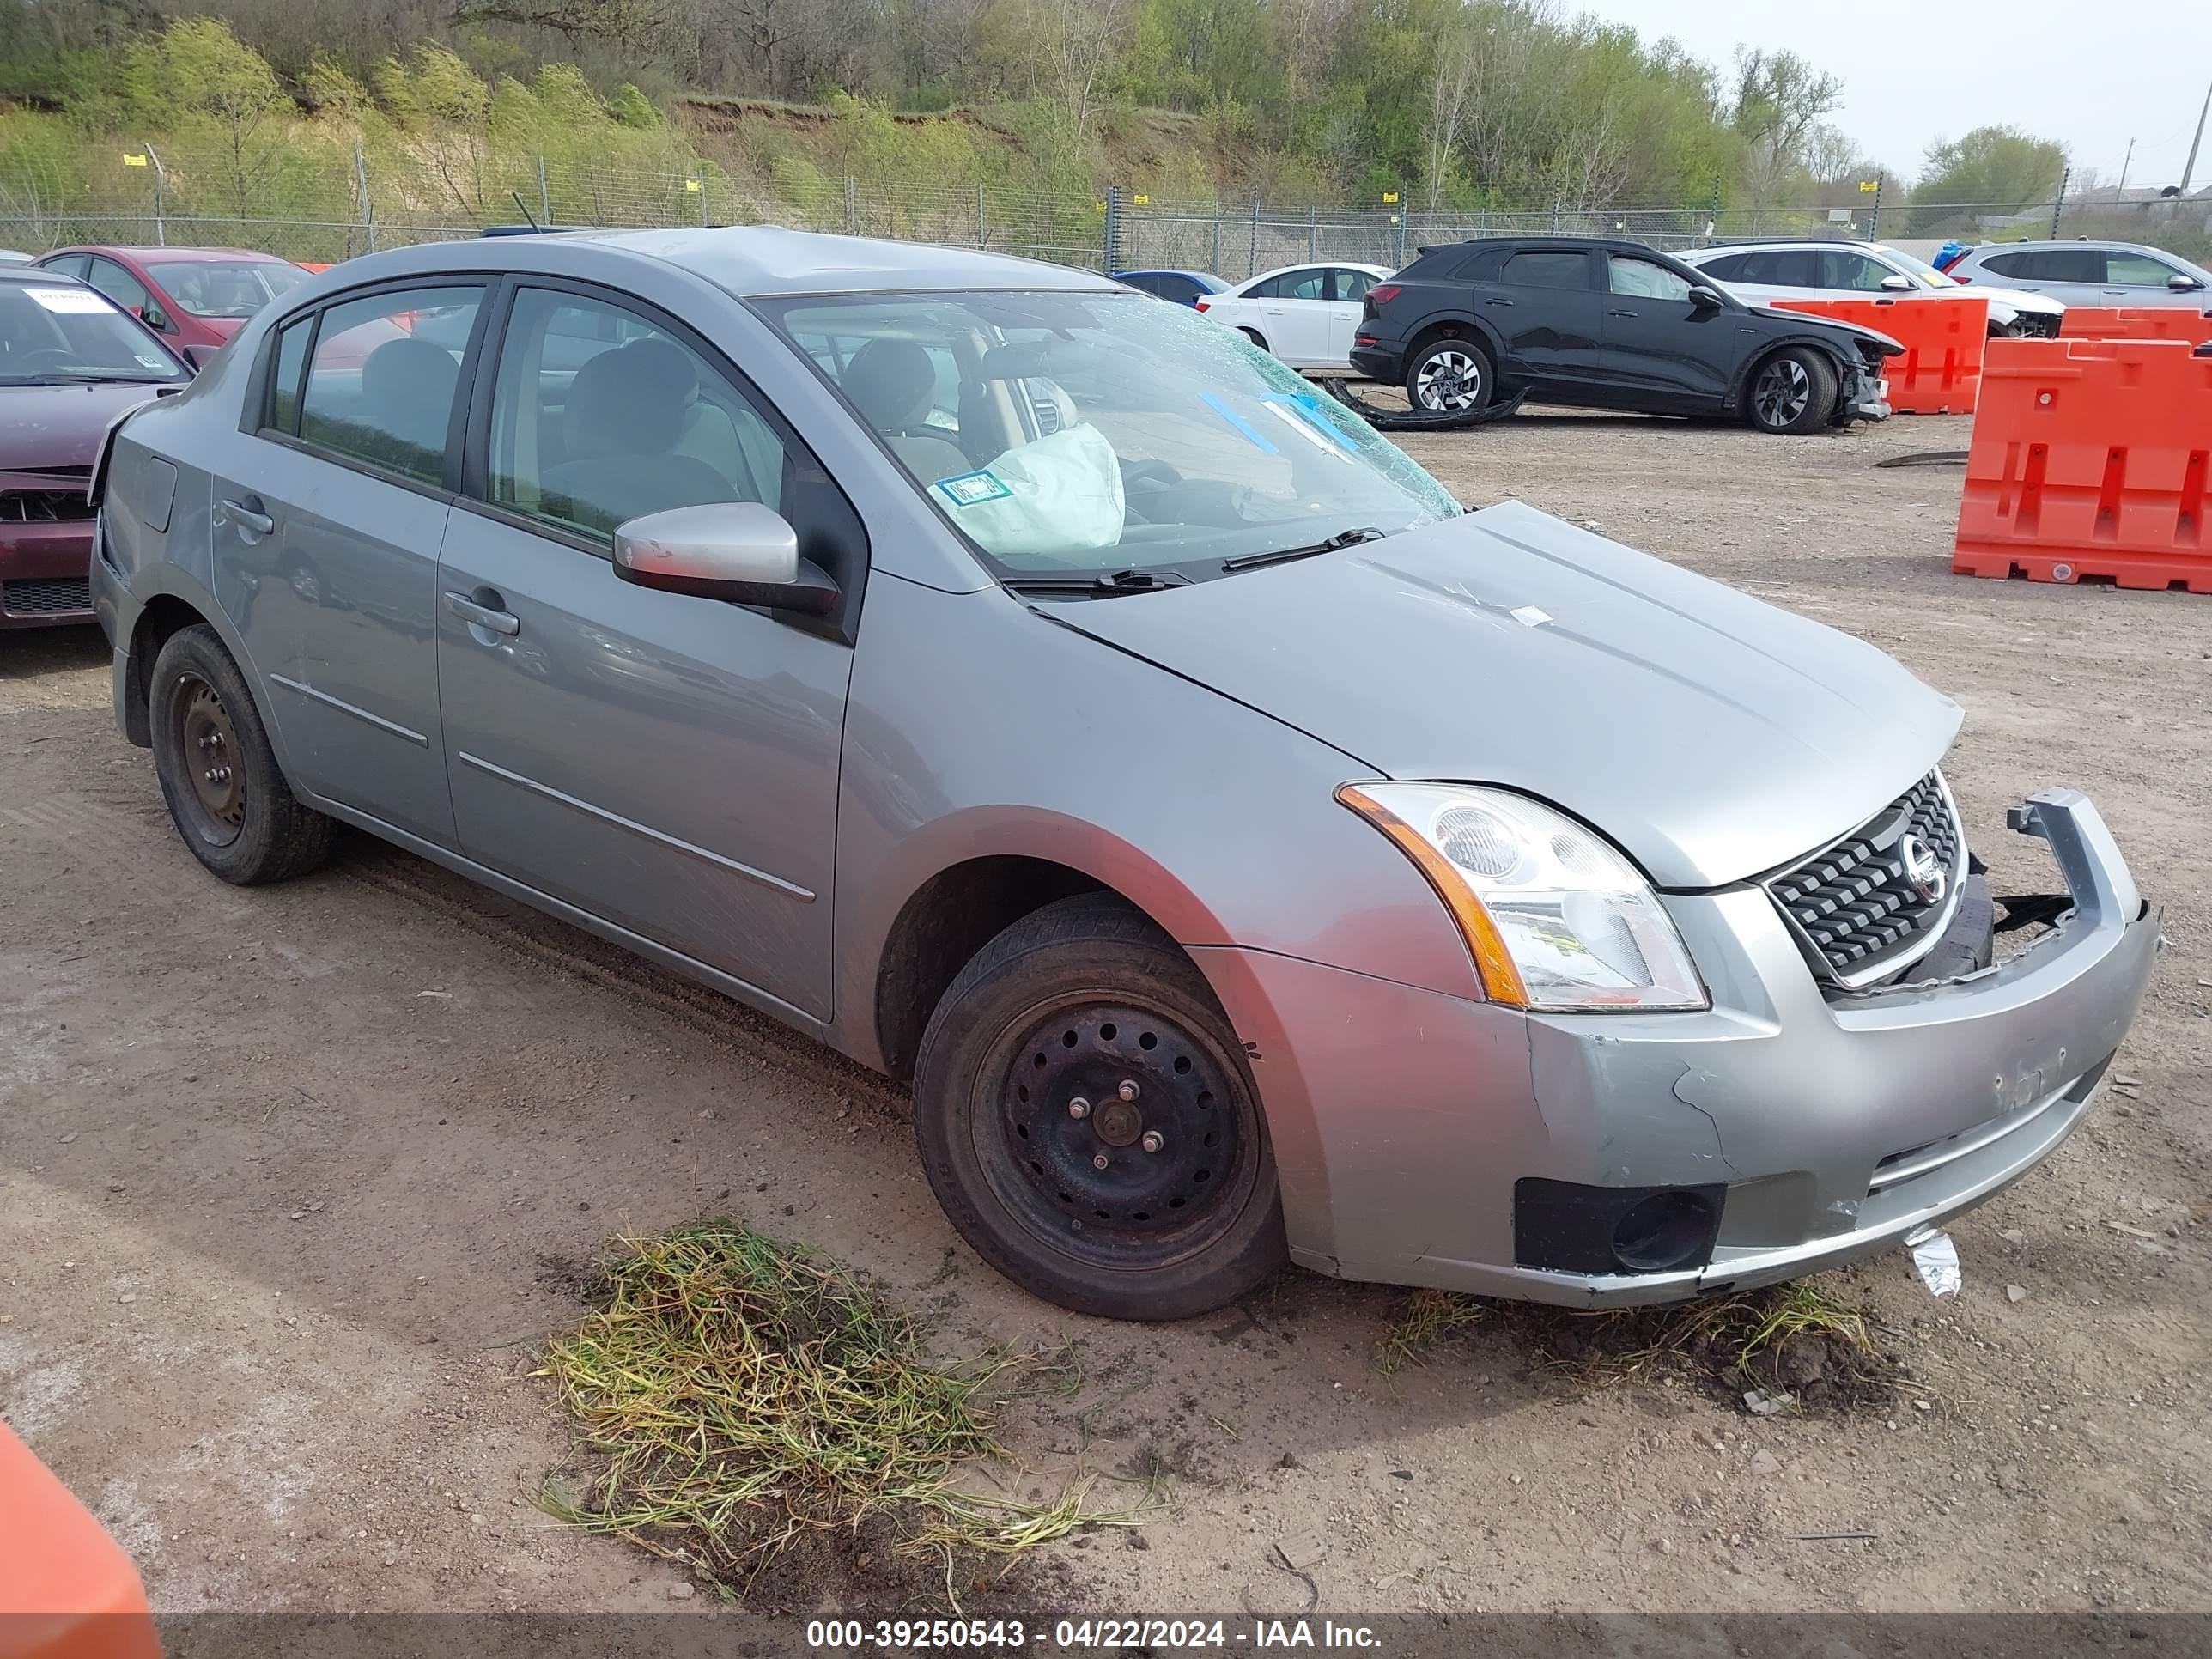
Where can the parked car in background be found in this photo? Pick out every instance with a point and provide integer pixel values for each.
(1679, 978)
(196, 298)
(1606, 325)
(1185, 288)
(1764, 272)
(2123, 273)
(9, 256)
(1305, 315)
(70, 362)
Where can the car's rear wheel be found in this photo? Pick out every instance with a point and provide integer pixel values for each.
(1449, 377)
(217, 771)
(1254, 336)
(1086, 1119)
(1792, 392)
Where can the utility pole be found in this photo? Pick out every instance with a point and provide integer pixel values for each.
(2058, 205)
(2122, 188)
(2189, 166)
(160, 198)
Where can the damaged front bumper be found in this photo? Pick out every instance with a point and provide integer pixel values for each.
(1817, 1127)
(1864, 396)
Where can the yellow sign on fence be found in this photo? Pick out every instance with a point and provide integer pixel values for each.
(1141, 199)
(691, 185)
(131, 161)
(1867, 186)
(1389, 198)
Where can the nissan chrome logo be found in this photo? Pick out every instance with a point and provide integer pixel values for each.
(1923, 870)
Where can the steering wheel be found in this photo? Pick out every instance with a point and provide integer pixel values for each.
(49, 357)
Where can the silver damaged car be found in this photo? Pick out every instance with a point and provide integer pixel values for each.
(1036, 693)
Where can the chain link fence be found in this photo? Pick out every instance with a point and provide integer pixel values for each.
(334, 203)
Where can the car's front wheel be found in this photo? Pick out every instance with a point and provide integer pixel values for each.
(1792, 392)
(1449, 377)
(1086, 1120)
(219, 774)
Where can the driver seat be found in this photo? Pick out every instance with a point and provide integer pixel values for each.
(893, 385)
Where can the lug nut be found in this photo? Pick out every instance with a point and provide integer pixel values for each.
(1078, 1108)
(1153, 1140)
(1098, 1160)
(1128, 1089)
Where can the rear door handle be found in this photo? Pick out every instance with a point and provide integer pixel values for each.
(499, 622)
(250, 517)
(1621, 313)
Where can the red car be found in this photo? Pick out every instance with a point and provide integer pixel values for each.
(195, 298)
(71, 364)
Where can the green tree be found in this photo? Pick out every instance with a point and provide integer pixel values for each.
(197, 78)
(1998, 170)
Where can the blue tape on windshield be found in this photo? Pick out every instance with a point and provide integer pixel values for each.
(1307, 406)
(1259, 438)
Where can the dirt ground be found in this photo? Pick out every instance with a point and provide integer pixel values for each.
(293, 1183)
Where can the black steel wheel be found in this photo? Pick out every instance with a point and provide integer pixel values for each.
(1791, 392)
(218, 773)
(1449, 377)
(1085, 1118)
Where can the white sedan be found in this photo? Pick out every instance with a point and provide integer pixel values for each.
(1760, 273)
(1305, 315)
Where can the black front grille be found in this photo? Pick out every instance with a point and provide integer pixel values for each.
(48, 596)
(1855, 904)
(43, 506)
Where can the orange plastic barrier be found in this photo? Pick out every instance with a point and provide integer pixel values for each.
(1941, 372)
(2089, 458)
(2141, 322)
(67, 1590)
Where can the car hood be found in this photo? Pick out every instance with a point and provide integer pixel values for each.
(1713, 736)
(2018, 299)
(44, 428)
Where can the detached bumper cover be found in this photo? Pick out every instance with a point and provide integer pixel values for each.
(1402, 1118)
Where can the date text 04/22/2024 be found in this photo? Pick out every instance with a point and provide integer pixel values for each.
(1088, 1635)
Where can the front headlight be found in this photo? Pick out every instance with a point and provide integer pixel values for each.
(1555, 917)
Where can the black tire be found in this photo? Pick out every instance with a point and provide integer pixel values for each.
(1450, 376)
(1791, 393)
(1059, 1011)
(218, 774)
(1254, 336)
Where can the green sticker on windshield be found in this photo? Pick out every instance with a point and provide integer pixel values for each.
(972, 488)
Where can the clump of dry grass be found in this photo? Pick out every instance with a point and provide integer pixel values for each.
(739, 1392)
(1424, 1319)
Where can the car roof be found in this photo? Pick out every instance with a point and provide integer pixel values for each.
(1166, 270)
(31, 275)
(175, 255)
(770, 259)
(1787, 245)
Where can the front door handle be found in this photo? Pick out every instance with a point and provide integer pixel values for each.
(248, 515)
(482, 616)
(1500, 301)
(1621, 313)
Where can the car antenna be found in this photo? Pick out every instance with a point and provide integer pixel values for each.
(523, 208)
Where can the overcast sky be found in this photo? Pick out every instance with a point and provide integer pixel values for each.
(2090, 73)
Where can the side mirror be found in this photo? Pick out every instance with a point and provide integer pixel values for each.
(1897, 282)
(199, 356)
(155, 319)
(2181, 284)
(738, 552)
(1706, 299)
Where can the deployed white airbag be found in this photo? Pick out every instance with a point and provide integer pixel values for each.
(1059, 498)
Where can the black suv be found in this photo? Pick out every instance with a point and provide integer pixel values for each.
(1575, 320)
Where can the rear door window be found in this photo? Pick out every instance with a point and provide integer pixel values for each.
(1784, 268)
(1728, 268)
(377, 393)
(1548, 268)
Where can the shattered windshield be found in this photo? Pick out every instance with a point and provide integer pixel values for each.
(1076, 435)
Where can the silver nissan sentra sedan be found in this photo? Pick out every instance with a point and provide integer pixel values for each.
(1032, 690)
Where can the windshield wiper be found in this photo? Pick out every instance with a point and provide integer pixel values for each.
(1343, 538)
(1100, 587)
(92, 377)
